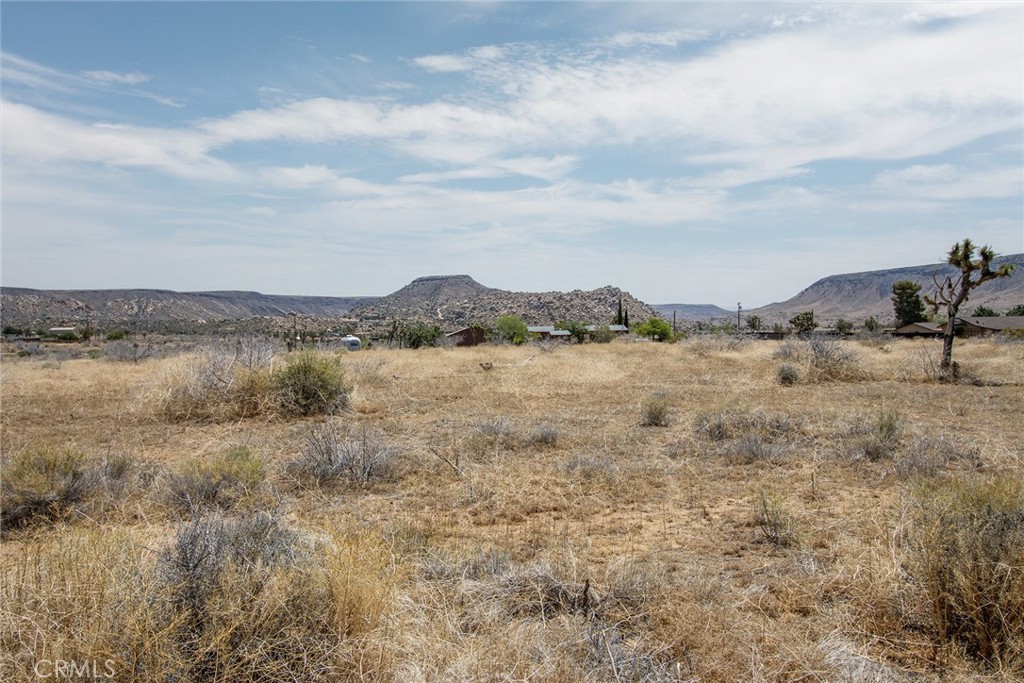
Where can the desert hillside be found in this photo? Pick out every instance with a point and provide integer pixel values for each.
(454, 300)
(23, 306)
(855, 296)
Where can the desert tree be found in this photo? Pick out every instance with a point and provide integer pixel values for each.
(803, 323)
(984, 312)
(754, 323)
(1016, 310)
(655, 329)
(511, 329)
(577, 330)
(953, 290)
(906, 302)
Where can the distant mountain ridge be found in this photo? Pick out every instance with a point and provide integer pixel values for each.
(455, 300)
(856, 296)
(22, 306)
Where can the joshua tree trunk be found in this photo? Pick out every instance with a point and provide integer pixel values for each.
(951, 294)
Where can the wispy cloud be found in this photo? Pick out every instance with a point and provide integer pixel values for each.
(133, 78)
(26, 72)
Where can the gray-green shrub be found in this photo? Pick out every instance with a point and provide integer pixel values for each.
(311, 383)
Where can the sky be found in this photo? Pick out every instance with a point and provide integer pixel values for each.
(686, 152)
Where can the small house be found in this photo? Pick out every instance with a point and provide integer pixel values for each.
(974, 326)
(919, 329)
(467, 336)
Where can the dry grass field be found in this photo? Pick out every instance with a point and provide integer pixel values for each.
(619, 512)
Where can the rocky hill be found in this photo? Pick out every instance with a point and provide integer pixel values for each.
(856, 296)
(455, 300)
(37, 307)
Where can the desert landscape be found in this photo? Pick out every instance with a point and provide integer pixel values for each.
(716, 509)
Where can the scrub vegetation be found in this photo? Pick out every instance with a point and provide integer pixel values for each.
(631, 511)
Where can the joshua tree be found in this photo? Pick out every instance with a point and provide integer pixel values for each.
(804, 323)
(952, 293)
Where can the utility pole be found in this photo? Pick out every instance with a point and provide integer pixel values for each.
(739, 307)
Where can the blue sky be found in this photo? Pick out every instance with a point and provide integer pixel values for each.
(686, 152)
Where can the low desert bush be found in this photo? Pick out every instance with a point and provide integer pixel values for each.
(879, 439)
(544, 435)
(311, 384)
(787, 374)
(755, 448)
(43, 485)
(256, 600)
(218, 483)
(494, 432)
(774, 521)
(332, 456)
(831, 360)
(968, 540)
(655, 410)
(929, 456)
(734, 423)
(213, 385)
(789, 350)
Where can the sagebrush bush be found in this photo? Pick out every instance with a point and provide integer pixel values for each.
(929, 456)
(256, 600)
(44, 485)
(787, 374)
(831, 360)
(655, 411)
(968, 540)
(221, 482)
(311, 383)
(332, 456)
(755, 448)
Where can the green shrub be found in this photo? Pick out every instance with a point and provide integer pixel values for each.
(311, 384)
(511, 329)
(968, 541)
(655, 329)
(117, 335)
(221, 483)
(602, 335)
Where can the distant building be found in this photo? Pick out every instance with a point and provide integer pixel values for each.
(971, 327)
(467, 336)
(965, 326)
(919, 329)
(617, 329)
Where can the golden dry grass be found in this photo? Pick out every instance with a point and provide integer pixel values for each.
(532, 527)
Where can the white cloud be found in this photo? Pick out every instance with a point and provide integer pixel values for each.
(133, 78)
(443, 63)
(946, 182)
(32, 137)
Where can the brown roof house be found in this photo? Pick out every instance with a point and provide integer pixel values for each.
(972, 327)
(920, 329)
